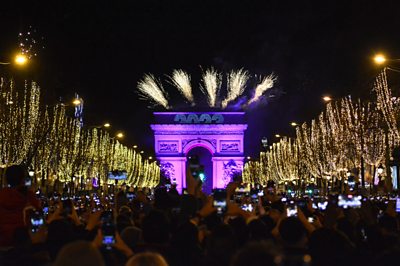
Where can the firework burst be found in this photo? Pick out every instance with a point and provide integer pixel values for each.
(266, 84)
(153, 91)
(181, 80)
(236, 84)
(29, 43)
(212, 83)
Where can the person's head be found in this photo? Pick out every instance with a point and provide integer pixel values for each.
(258, 230)
(79, 253)
(147, 259)
(254, 254)
(15, 175)
(292, 232)
(387, 224)
(186, 235)
(131, 236)
(155, 228)
(325, 242)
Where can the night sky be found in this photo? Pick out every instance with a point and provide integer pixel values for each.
(101, 49)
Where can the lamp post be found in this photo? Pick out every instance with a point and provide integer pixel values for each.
(19, 60)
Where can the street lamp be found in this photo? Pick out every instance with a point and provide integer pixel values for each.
(327, 99)
(277, 135)
(19, 59)
(31, 173)
(120, 135)
(107, 125)
(294, 124)
(379, 59)
(77, 101)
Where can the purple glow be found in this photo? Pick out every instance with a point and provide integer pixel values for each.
(174, 141)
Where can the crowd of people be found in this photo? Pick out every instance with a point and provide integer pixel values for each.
(163, 227)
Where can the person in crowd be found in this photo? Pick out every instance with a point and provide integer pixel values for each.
(13, 200)
(147, 259)
(79, 253)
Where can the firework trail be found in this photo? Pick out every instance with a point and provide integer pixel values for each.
(212, 82)
(266, 83)
(181, 80)
(236, 84)
(151, 90)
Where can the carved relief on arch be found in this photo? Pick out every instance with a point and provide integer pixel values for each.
(205, 143)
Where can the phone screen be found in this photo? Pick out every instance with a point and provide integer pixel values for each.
(247, 207)
(349, 201)
(37, 221)
(108, 229)
(130, 196)
(220, 200)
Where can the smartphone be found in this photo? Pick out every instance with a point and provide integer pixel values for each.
(67, 207)
(349, 201)
(291, 211)
(220, 200)
(247, 207)
(28, 182)
(130, 196)
(194, 165)
(37, 221)
(108, 229)
(322, 205)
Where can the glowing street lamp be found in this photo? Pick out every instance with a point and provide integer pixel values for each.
(294, 124)
(135, 146)
(120, 135)
(379, 59)
(107, 125)
(327, 99)
(277, 135)
(77, 102)
(21, 59)
(150, 158)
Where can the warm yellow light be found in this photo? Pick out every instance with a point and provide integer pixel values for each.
(107, 125)
(134, 146)
(293, 124)
(379, 59)
(248, 157)
(120, 135)
(150, 158)
(277, 135)
(327, 98)
(76, 102)
(142, 152)
(21, 59)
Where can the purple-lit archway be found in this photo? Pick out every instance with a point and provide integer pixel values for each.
(221, 133)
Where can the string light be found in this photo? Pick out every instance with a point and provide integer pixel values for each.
(57, 147)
